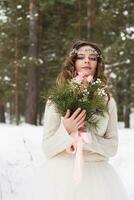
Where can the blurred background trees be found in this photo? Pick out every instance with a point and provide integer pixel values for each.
(34, 39)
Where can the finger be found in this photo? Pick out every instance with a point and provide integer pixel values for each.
(67, 114)
(81, 125)
(76, 112)
(83, 128)
(80, 116)
(81, 120)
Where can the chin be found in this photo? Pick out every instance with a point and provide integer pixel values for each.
(86, 73)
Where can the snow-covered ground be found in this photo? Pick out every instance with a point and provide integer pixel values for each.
(21, 154)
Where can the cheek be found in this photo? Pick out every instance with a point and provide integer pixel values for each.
(94, 66)
(77, 65)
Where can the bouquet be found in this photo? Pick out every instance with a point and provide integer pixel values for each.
(81, 91)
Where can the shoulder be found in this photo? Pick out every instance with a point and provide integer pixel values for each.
(50, 107)
(112, 104)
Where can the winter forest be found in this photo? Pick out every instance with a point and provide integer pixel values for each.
(34, 38)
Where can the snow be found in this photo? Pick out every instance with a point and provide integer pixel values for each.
(21, 153)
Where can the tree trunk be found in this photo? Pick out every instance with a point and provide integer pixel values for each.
(40, 116)
(16, 74)
(90, 19)
(11, 110)
(2, 112)
(32, 97)
(119, 98)
(79, 19)
(127, 97)
(127, 117)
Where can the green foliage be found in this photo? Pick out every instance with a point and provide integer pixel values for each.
(88, 97)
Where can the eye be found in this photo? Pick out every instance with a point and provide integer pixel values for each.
(80, 57)
(92, 58)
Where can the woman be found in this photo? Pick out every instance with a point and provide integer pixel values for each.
(99, 181)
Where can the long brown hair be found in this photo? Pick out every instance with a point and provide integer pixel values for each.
(68, 69)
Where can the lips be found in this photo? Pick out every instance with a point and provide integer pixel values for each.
(86, 67)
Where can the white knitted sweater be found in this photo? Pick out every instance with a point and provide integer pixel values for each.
(104, 139)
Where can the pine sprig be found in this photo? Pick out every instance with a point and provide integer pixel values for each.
(89, 96)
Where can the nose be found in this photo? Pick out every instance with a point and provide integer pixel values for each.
(86, 60)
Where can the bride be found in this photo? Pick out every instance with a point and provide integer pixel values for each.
(55, 180)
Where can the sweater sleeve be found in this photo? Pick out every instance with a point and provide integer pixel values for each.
(106, 145)
(55, 136)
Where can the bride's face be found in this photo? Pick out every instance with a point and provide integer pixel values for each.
(86, 61)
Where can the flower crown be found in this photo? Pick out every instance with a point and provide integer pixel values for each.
(89, 49)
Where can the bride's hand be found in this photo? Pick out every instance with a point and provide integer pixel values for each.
(75, 122)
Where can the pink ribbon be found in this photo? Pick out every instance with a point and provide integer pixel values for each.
(80, 138)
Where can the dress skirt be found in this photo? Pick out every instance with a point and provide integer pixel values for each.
(54, 181)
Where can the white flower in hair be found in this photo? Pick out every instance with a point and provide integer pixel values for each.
(88, 49)
(74, 51)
